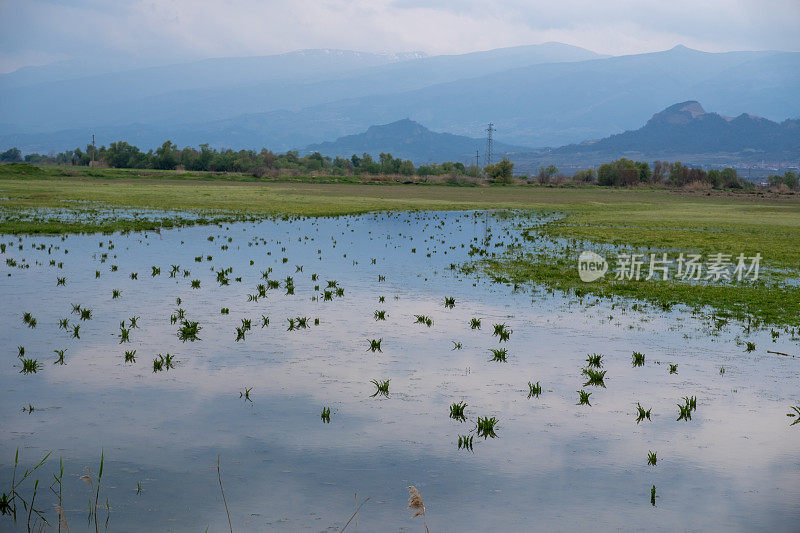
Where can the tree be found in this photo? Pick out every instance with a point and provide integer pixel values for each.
(606, 174)
(501, 172)
(546, 173)
(12, 155)
(586, 176)
(730, 178)
(166, 157)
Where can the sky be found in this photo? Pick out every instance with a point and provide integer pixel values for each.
(149, 32)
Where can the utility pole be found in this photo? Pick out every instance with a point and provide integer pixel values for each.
(94, 148)
(477, 158)
(489, 131)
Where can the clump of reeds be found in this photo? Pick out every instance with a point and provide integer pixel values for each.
(638, 359)
(534, 390)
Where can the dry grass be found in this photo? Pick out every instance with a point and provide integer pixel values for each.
(415, 502)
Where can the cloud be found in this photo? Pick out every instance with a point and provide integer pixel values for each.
(173, 30)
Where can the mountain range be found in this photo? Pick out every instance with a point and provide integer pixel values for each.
(681, 132)
(541, 95)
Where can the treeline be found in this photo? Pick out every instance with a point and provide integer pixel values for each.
(620, 173)
(169, 157)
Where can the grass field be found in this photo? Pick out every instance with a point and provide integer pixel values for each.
(647, 219)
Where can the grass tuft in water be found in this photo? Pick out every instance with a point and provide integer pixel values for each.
(651, 458)
(485, 427)
(596, 377)
(381, 386)
(375, 345)
(457, 411)
(641, 413)
(30, 366)
(475, 323)
(499, 354)
(189, 331)
(534, 390)
(638, 359)
(595, 360)
(583, 398)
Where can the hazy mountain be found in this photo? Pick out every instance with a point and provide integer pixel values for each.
(538, 104)
(217, 89)
(406, 139)
(686, 132)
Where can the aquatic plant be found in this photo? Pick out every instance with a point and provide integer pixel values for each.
(485, 427)
(30, 366)
(292, 324)
(673, 369)
(86, 314)
(595, 360)
(326, 415)
(534, 390)
(751, 346)
(302, 322)
(240, 332)
(638, 359)
(449, 302)
(596, 377)
(796, 414)
(584, 398)
(422, 319)
(456, 345)
(61, 282)
(246, 394)
(155, 271)
(130, 356)
(475, 323)
(653, 496)
(722, 371)
(188, 331)
(381, 386)
(642, 414)
(115, 293)
(76, 308)
(498, 354)
(134, 321)
(651, 458)
(457, 411)
(63, 323)
(60, 354)
(195, 283)
(685, 412)
(375, 345)
(465, 442)
(502, 331)
(380, 315)
(264, 321)
(124, 335)
(76, 331)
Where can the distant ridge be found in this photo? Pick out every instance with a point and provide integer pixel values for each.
(686, 130)
(406, 139)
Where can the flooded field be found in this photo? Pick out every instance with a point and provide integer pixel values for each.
(322, 358)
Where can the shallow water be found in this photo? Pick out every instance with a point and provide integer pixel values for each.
(555, 465)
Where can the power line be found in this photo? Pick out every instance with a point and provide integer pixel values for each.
(489, 131)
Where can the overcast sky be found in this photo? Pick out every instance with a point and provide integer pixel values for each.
(35, 32)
